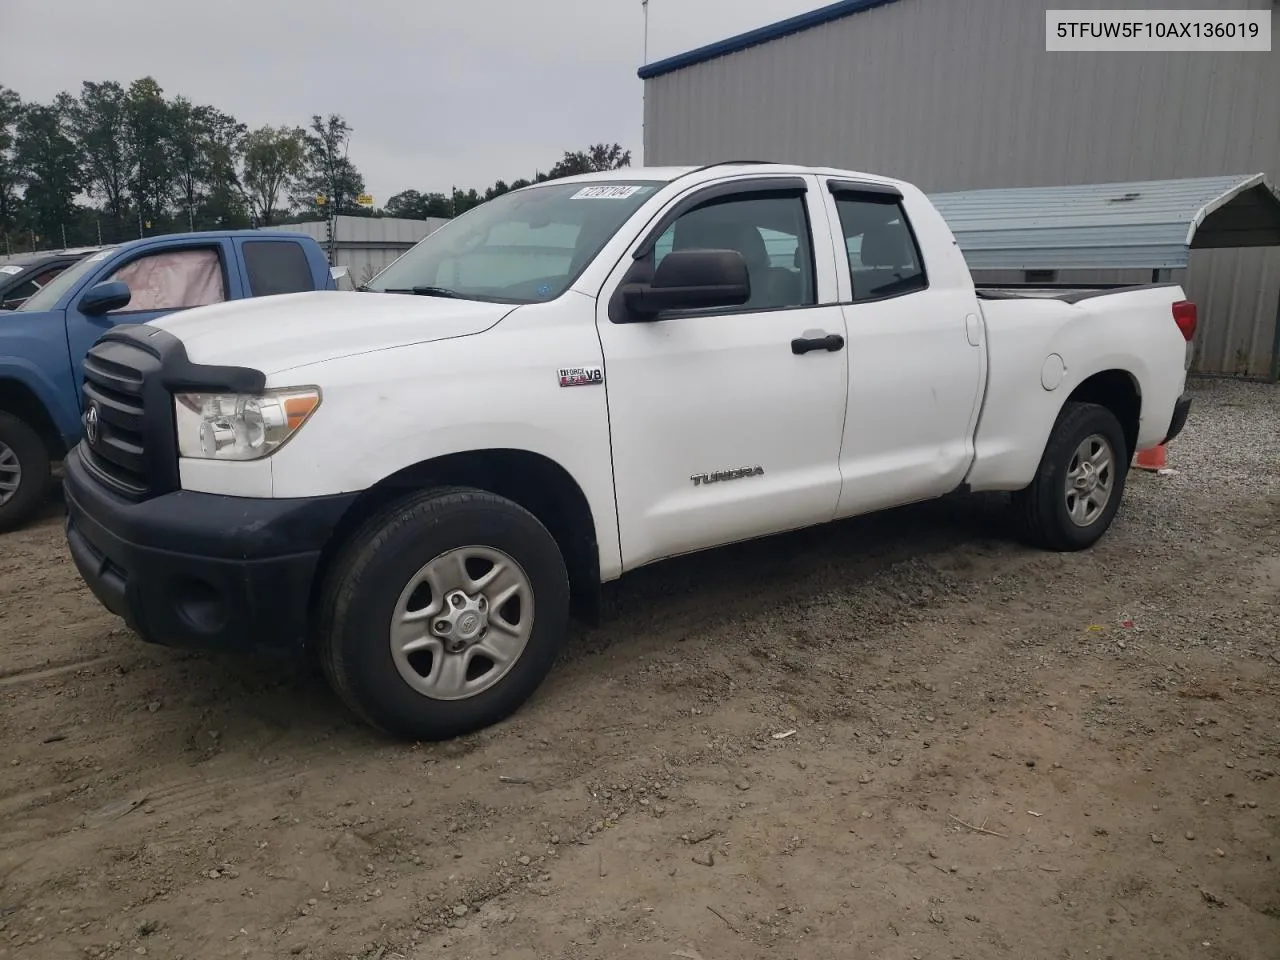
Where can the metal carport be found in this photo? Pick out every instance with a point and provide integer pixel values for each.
(1140, 225)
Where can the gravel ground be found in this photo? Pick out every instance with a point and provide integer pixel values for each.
(898, 737)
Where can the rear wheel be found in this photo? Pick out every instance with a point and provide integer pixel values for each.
(24, 472)
(443, 613)
(1078, 487)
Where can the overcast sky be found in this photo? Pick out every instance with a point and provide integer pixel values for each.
(439, 92)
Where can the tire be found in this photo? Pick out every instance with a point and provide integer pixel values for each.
(1043, 509)
(371, 585)
(21, 450)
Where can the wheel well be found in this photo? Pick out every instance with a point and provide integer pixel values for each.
(538, 484)
(17, 399)
(1118, 392)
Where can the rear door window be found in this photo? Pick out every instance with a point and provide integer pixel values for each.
(276, 266)
(884, 258)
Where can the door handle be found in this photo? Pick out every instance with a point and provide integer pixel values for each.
(831, 343)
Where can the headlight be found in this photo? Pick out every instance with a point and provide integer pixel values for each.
(233, 426)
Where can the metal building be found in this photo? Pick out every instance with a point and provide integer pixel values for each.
(365, 245)
(961, 94)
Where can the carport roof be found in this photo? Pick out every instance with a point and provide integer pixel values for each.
(1151, 224)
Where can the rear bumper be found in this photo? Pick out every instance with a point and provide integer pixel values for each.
(199, 570)
(1179, 420)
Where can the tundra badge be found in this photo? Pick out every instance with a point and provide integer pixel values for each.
(702, 479)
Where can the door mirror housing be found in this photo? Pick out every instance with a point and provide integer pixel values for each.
(104, 297)
(690, 280)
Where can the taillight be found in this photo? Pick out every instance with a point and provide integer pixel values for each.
(1184, 315)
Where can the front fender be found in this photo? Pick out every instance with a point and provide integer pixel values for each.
(55, 394)
(584, 457)
(385, 411)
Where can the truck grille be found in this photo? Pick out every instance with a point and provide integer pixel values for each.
(115, 446)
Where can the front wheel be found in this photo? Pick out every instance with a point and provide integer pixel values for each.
(1077, 489)
(24, 472)
(443, 613)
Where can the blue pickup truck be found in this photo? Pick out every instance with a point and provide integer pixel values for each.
(44, 341)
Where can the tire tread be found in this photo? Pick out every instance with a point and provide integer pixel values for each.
(36, 469)
(1035, 507)
(343, 579)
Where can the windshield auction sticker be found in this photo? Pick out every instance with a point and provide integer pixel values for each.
(1214, 31)
(607, 192)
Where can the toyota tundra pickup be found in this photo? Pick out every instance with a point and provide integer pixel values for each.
(422, 482)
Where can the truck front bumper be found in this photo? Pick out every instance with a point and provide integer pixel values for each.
(200, 570)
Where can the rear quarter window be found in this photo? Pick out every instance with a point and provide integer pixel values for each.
(275, 267)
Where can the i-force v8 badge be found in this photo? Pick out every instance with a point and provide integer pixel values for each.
(581, 376)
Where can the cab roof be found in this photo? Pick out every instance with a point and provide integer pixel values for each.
(709, 171)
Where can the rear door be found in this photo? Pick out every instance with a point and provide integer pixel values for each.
(916, 357)
(162, 280)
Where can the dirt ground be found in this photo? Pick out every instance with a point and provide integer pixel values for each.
(899, 737)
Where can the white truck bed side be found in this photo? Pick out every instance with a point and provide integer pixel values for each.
(1040, 350)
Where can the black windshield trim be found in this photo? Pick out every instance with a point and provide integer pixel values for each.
(452, 295)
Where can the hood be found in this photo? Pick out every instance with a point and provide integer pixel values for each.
(290, 330)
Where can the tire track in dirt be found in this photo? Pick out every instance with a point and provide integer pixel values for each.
(909, 649)
(32, 674)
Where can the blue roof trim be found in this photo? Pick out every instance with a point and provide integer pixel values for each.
(753, 38)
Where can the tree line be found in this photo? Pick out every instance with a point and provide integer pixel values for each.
(116, 162)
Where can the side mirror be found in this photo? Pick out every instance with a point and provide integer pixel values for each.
(104, 297)
(337, 273)
(690, 280)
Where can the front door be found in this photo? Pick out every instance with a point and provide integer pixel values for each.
(160, 281)
(726, 423)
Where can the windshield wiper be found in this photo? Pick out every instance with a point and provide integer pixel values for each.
(430, 292)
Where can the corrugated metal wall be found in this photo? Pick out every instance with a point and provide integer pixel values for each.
(961, 94)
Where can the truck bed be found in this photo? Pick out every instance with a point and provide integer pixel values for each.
(1041, 348)
(1066, 295)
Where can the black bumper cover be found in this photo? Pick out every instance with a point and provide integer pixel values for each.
(200, 570)
(1179, 420)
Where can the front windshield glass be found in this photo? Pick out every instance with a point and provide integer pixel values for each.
(46, 298)
(522, 247)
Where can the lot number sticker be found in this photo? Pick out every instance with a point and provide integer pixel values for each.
(612, 192)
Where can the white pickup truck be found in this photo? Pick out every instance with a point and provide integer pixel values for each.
(423, 480)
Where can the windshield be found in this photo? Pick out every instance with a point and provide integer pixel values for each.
(47, 297)
(522, 247)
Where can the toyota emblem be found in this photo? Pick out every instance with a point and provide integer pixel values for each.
(91, 424)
